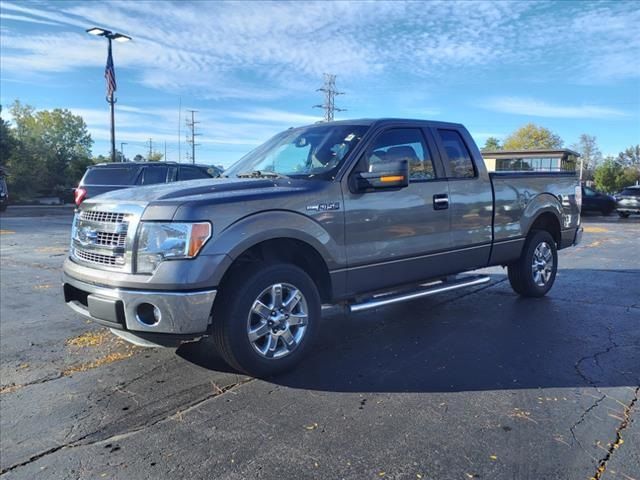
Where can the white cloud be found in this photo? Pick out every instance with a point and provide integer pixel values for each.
(539, 108)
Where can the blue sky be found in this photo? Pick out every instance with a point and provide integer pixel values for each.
(251, 68)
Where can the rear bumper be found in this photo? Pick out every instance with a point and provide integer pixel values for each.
(144, 313)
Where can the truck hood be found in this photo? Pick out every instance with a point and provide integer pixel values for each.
(209, 191)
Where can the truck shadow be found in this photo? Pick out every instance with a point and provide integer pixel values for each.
(586, 331)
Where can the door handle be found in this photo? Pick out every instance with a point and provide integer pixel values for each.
(440, 201)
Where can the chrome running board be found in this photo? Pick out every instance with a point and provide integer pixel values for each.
(431, 289)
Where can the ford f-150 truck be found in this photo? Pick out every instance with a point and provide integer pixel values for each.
(363, 213)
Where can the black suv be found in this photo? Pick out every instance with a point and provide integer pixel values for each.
(105, 177)
(594, 201)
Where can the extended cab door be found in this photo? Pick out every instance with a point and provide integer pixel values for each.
(470, 199)
(395, 236)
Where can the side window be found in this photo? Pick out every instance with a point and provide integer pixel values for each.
(457, 155)
(172, 176)
(152, 175)
(402, 144)
(192, 173)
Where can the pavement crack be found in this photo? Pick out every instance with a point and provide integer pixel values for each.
(617, 443)
(217, 391)
(13, 387)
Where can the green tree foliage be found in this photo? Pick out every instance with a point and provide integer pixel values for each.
(590, 154)
(614, 174)
(155, 157)
(630, 157)
(7, 142)
(532, 137)
(52, 152)
(492, 144)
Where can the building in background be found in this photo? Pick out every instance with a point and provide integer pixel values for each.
(531, 160)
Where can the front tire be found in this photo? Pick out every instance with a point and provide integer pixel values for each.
(624, 214)
(534, 273)
(266, 318)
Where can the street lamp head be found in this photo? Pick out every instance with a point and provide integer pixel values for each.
(119, 37)
(101, 32)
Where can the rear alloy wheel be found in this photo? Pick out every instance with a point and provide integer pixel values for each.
(534, 273)
(265, 318)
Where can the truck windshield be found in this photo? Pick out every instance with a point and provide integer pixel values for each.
(317, 151)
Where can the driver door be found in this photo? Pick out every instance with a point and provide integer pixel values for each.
(394, 236)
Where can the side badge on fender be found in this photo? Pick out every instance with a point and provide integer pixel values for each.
(323, 207)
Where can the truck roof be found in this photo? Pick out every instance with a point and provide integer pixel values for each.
(384, 120)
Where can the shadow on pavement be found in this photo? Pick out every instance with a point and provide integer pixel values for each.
(492, 340)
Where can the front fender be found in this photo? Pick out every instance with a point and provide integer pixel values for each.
(268, 225)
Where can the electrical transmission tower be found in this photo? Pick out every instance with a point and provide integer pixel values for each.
(192, 127)
(330, 92)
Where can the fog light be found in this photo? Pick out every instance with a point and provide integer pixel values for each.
(148, 314)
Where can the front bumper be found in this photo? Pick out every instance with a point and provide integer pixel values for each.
(184, 314)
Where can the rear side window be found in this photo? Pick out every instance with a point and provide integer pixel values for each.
(110, 176)
(402, 144)
(152, 175)
(192, 173)
(457, 155)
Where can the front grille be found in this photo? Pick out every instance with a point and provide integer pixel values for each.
(110, 239)
(102, 217)
(98, 258)
(101, 237)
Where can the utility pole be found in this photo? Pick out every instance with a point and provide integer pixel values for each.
(192, 126)
(330, 92)
(165, 151)
(150, 149)
(122, 144)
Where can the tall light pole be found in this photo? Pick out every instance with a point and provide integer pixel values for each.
(110, 76)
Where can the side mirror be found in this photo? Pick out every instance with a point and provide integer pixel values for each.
(383, 176)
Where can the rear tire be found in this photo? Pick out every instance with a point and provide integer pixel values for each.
(624, 214)
(266, 318)
(534, 273)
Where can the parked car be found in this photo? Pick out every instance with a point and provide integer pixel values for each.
(106, 177)
(364, 213)
(4, 194)
(628, 201)
(594, 201)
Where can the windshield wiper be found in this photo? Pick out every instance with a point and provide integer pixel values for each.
(261, 174)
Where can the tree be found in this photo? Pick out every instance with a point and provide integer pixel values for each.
(8, 141)
(612, 175)
(590, 154)
(492, 144)
(138, 158)
(155, 157)
(53, 150)
(630, 157)
(532, 137)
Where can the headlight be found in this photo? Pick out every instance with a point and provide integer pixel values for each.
(165, 241)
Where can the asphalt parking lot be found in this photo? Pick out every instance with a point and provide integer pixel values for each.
(473, 384)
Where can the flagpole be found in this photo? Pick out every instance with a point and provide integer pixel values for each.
(110, 76)
(112, 103)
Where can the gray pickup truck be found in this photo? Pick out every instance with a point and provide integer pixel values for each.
(363, 213)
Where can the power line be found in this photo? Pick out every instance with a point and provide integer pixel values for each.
(330, 92)
(192, 126)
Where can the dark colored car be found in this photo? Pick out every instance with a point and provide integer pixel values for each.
(594, 201)
(106, 177)
(628, 201)
(4, 195)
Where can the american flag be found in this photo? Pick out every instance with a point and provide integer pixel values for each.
(110, 75)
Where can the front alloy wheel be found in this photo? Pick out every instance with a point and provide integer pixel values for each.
(277, 322)
(266, 318)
